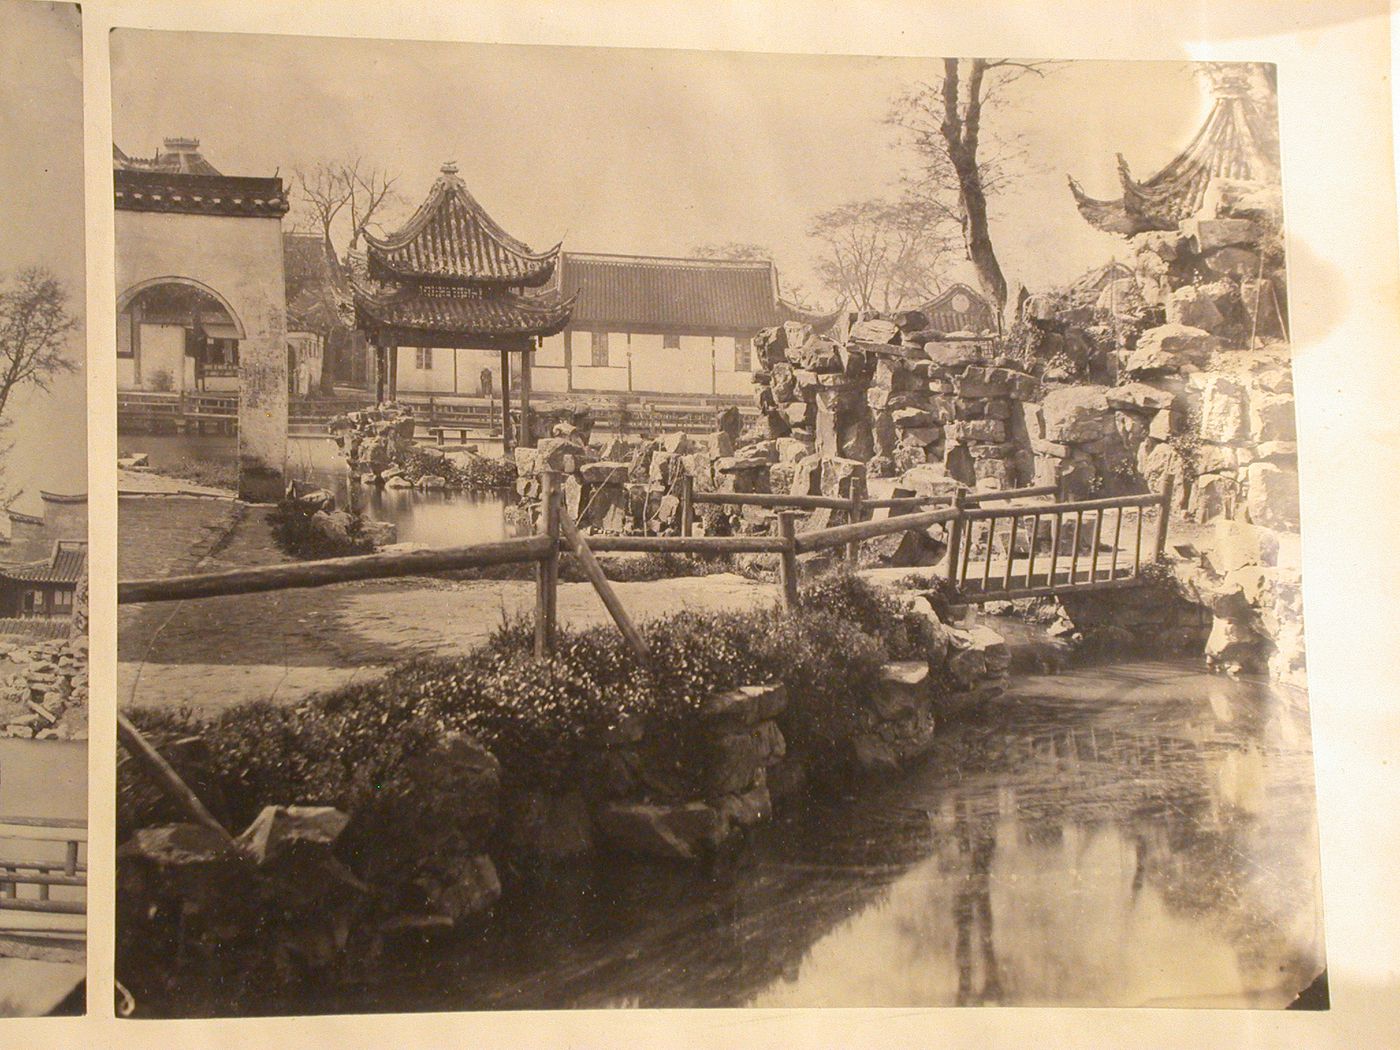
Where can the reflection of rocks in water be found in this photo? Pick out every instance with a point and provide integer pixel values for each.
(1104, 837)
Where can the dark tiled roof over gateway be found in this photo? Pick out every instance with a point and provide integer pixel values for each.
(636, 291)
(451, 240)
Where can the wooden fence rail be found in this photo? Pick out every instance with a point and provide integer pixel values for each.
(971, 528)
(42, 875)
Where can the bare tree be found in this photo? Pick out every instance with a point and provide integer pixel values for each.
(882, 255)
(959, 166)
(339, 193)
(34, 328)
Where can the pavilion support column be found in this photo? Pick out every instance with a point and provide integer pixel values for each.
(527, 424)
(506, 443)
(381, 370)
(393, 371)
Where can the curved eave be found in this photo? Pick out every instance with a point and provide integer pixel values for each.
(1108, 216)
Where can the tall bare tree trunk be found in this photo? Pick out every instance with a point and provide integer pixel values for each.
(960, 132)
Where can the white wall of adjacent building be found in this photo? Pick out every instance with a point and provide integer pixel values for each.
(577, 361)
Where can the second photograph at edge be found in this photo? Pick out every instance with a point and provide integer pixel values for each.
(638, 528)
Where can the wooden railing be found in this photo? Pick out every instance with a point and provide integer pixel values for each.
(21, 874)
(1044, 550)
(972, 530)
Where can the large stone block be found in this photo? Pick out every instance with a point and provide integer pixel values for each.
(1076, 414)
(747, 705)
(904, 687)
(1235, 545)
(977, 381)
(1171, 348)
(1272, 495)
(969, 430)
(1271, 417)
(1223, 415)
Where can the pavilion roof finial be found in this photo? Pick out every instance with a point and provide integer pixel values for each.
(449, 167)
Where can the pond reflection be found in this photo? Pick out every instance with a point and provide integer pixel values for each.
(433, 519)
(1103, 837)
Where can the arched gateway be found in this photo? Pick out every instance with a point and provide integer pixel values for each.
(201, 295)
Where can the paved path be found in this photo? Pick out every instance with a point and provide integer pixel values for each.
(216, 652)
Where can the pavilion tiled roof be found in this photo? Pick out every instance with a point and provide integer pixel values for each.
(720, 296)
(456, 317)
(1234, 143)
(452, 240)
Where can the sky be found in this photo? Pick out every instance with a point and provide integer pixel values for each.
(41, 224)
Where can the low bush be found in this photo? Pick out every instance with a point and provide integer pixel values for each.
(848, 597)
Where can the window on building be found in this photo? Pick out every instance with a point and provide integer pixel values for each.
(600, 350)
(743, 354)
(670, 342)
(33, 602)
(423, 358)
(63, 602)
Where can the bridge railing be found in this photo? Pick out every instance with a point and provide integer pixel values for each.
(1032, 551)
(26, 883)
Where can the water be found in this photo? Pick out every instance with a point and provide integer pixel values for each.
(1141, 834)
(435, 519)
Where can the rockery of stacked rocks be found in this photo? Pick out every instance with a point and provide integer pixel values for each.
(45, 694)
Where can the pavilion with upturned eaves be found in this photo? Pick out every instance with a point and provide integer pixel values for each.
(453, 278)
(1236, 141)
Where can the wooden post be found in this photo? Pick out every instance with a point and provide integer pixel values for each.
(687, 504)
(955, 536)
(857, 513)
(393, 372)
(506, 442)
(165, 777)
(527, 427)
(1162, 516)
(547, 568)
(787, 568)
(594, 572)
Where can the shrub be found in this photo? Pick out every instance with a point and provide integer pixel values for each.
(828, 666)
(854, 600)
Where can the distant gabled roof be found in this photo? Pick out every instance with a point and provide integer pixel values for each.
(1234, 143)
(944, 315)
(722, 296)
(452, 240)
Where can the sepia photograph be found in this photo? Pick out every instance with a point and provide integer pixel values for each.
(624, 528)
(43, 514)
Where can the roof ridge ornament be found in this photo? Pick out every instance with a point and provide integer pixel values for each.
(449, 167)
